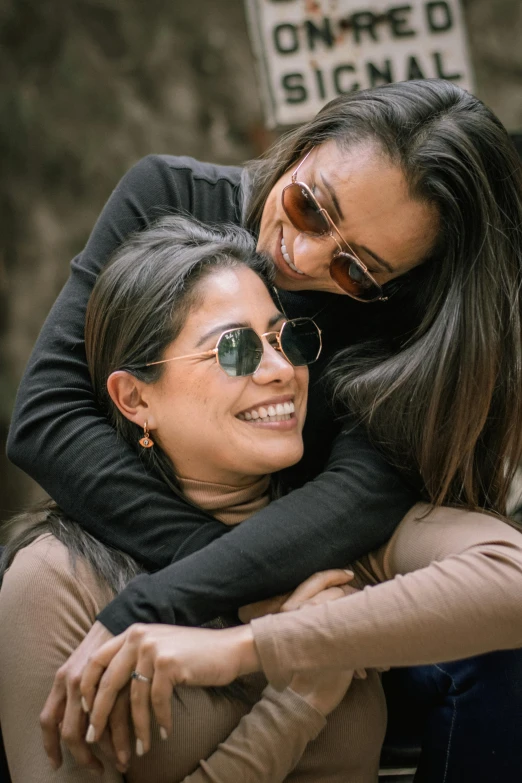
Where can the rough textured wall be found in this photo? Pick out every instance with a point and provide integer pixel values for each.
(495, 32)
(90, 86)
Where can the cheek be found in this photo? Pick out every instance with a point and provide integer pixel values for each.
(211, 402)
(182, 406)
(302, 378)
(269, 217)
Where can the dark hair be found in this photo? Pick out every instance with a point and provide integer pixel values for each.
(141, 300)
(444, 396)
(113, 567)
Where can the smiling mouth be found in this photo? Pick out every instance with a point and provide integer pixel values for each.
(286, 257)
(282, 411)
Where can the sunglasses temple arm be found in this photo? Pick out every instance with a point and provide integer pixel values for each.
(343, 240)
(186, 356)
(294, 175)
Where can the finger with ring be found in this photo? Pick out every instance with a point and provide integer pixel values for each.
(140, 677)
(140, 703)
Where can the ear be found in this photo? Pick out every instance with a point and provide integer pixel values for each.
(130, 397)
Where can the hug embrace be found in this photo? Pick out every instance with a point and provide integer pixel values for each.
(288, 410)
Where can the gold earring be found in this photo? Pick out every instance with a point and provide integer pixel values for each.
(146, 441)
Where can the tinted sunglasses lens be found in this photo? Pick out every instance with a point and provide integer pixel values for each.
(349, 276)
(301, 341)
(239, 352)
(303, 211)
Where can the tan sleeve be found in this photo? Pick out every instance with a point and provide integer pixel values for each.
(267, 743)
(450, 587)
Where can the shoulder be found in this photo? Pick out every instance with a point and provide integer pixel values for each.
(184, 166)
(199, 170)
(208, 191)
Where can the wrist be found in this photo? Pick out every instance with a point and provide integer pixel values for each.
(244, 645)
(100, 632)
(317, 699)
(311, 698)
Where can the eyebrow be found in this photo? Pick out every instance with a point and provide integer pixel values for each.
(379, 260)
(337, 206)
(218, 330)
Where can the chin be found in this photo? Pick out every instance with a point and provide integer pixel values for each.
(282, 461)
(287, 284)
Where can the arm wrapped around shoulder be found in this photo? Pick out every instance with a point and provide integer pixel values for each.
(449, 586)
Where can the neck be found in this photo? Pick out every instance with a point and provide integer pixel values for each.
(231, 504)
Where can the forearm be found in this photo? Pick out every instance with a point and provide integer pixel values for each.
(267, 743)
(461, 605)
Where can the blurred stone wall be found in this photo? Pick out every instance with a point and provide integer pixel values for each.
(90, 86)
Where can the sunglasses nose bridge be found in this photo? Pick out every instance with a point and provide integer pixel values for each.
(273, 339)
(274, 365)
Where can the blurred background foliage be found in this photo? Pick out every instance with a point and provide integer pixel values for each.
(90, 86)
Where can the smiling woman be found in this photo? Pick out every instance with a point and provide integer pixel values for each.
(183, 348)
(365, 197)
(209, 438)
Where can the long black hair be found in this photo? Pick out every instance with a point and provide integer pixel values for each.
(444, 396)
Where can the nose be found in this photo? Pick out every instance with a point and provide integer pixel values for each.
(274, 367)
(313, 255)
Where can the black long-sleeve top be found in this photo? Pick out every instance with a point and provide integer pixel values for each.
(346, 499)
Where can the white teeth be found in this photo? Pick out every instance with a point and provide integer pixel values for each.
(288, 260)
(281, 411)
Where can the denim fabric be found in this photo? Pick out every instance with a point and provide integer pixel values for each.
(466, 715)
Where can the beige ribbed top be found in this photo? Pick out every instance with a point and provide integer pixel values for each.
(446, 586)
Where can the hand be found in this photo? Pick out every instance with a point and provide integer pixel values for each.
(323, 690)
(319, 588)
(63, 716)
(169, 656)
(261, 608)
(313, 588)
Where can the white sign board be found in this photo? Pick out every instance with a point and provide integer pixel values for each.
(310, 51)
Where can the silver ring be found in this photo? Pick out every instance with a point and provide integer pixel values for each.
(140, 677)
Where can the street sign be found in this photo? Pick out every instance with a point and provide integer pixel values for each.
(310, 51)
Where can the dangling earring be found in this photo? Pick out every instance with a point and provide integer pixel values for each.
(146, 441)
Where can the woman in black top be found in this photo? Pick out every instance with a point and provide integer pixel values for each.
(419, 193)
